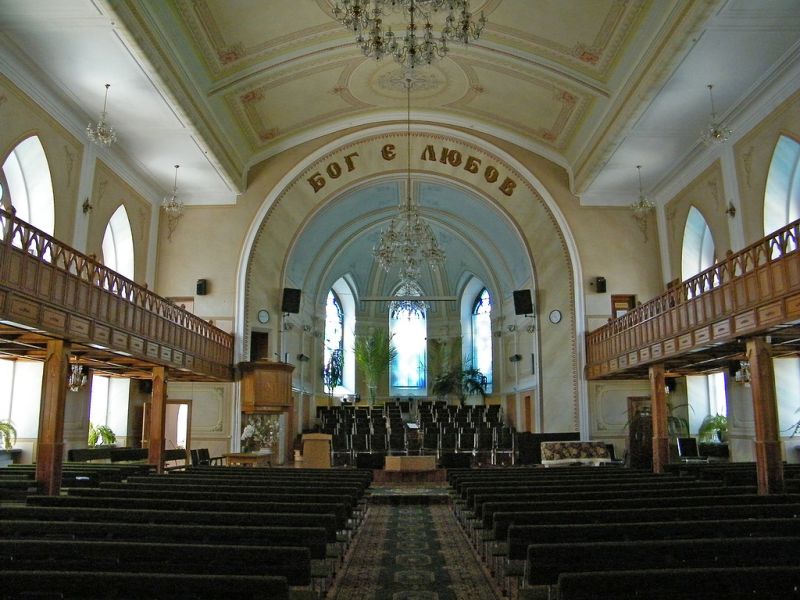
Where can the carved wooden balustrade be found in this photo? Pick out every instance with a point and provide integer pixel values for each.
(52, 288)
(751, 292)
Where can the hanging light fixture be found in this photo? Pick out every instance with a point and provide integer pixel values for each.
(417, 46)
(102, 134)
(642, 207)
(715, 132)
(173, 206)
(409, 242)
(78, 376)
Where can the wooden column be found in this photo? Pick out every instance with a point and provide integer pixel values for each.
(769, 464)
(50, 444)
(158, 414)
(658, 407)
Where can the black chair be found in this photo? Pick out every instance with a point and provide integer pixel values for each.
(378, 442)
(430, 440)
(397, 443)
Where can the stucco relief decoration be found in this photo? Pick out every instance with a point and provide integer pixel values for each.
(230, 54)
(586, 54)
(3, 99)
(142, 220)
(101, 189)
(713, 187)
(747, 162)
(477, 88)
(669, 213)
(69, 160)
(252, 96)
(268, 134)
(338, 90)
(395, 81)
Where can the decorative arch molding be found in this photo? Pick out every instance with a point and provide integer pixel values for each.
(463, 159)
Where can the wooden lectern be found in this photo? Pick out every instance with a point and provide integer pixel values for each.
(317, 450)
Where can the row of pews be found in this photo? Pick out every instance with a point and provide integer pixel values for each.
(206, 532)
(581, 533)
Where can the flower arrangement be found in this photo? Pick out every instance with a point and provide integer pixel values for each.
(260, 431)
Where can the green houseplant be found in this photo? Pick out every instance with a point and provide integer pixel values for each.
(332, 372)
(8, 433)
(713, 424)
(101, 434)
(374, 353)
(460, 382)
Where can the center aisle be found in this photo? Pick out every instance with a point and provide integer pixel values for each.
(412, 553)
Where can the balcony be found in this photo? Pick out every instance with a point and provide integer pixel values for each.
(115, 326)
(699, 326)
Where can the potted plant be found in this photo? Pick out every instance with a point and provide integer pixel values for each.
(101, 435)
(460, 382)
(711, 425)
(332, 372)
(9, 434)
(374, 353)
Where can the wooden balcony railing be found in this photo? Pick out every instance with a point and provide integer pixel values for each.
(747, 293)
(52, 288)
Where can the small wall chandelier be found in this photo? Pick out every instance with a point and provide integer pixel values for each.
(409, 242)
(173, 206)
(102, 134)
(642, 207)
(365, 19)
(715, 132)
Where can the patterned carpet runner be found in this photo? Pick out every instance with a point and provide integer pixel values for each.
(412, 553)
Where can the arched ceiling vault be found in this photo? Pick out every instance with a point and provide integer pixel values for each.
(475, 234)
(597, 86)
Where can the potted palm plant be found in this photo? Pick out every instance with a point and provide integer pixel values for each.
(460, 382)
(101, 435)
(9, 435)
(711, 425)
(374, 353)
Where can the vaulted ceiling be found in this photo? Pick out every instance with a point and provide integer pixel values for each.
(217, 86)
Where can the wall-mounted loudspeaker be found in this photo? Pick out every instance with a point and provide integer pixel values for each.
(202, 287)
(291, 301)
(600, 285)
(523, 305)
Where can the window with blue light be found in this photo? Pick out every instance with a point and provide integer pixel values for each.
(482, 336)
(782, 194)
(408, 328)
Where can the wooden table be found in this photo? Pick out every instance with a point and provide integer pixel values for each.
(248, 459)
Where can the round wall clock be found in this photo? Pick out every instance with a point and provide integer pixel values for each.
(263, 316)
(555, 316)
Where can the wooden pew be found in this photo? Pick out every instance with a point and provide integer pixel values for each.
(97, 585)
(293, 563)
(545, 562)
(738, 583)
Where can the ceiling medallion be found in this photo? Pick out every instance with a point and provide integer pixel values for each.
(417, 46)
(396, 80)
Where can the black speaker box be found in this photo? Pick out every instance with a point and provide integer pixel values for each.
(600, 285)
(523, 305)
(202, 287)
(291, 301)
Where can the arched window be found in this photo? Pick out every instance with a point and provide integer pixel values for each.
(482, 335)
(30, 188)
(698, 245)
(782, 195)
(334, 334)
(409, 330)
(118, 244)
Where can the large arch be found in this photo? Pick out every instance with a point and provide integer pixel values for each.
(439, 156)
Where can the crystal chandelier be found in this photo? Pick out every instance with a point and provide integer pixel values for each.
(409, 242)
(102, 133)
(642, 207)
(417, 46)
(78, 376)
(715, 132)
(173, 206)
